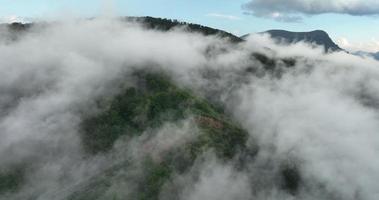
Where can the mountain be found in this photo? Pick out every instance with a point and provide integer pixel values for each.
(317, 37)
(375, 55)
(154, 138)
(367, 54)
(151, 102)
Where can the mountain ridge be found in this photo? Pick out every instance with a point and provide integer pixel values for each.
(374, 55)
(317, 37)
(161, 24)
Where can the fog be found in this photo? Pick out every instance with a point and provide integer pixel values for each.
(320, 116)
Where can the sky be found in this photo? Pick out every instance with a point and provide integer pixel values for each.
(353, 24)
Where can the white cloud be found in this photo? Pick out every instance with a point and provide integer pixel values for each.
(293, 10)
(218, 182)
(367, 46)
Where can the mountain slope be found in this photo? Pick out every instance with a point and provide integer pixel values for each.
(153, 137)
(152, 103)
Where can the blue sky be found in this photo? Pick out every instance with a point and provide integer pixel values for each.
(223, 14)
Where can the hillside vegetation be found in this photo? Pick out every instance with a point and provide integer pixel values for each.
(154, 101)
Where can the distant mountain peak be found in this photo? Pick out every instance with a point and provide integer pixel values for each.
(374, 55)
(318, 37)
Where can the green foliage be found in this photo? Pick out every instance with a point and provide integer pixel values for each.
(10, 180)
(267, 62)
(155, 176)
(226, 141)
(163, 102)
(154, 101)
(290, 178)
(150, 105)
(289, 62)
(124, 116)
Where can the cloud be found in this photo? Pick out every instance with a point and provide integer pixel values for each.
(54, 73)
(322, 113)
(368, 46)
(223, 16)
(218, 182)
(294, 10)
